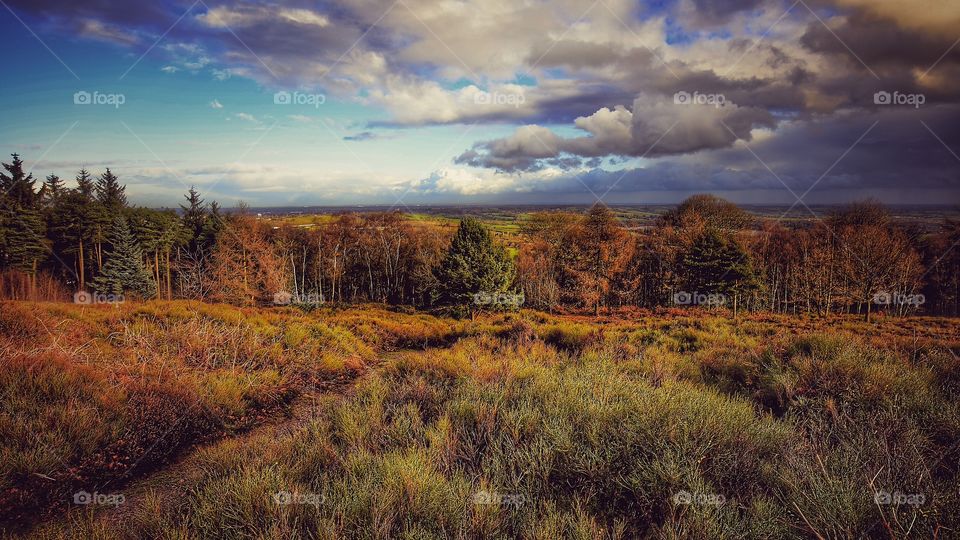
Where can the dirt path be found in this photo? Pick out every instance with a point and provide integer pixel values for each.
(172, 483)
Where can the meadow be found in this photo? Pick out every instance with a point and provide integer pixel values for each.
(183, 419)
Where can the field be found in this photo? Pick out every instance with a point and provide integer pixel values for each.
(190, 420)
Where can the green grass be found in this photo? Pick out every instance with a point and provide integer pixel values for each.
(533, 426)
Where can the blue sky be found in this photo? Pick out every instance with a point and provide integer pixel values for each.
(418, 102)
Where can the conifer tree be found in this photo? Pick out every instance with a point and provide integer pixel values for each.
(23, 235)
(85, 184)
(53, 188)
(194, 217)
(110, 193)
(719, 265)
(473, 265)
(124, 271)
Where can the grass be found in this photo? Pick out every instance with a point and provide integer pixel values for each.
(519, 425)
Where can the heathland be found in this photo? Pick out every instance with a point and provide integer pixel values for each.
(192, 420)
(698, 371)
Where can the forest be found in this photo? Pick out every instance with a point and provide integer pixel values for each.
(58, 240)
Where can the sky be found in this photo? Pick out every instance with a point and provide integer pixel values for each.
(419, 102)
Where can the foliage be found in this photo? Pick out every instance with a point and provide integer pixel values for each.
(473, 265)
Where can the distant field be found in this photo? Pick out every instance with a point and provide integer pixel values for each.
(190, 420)
(508, 219)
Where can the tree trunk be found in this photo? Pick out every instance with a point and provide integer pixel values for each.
(83, 282)
(156, 270)
(169, 281)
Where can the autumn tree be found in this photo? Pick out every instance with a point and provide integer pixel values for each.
(707, 210)
(596, 250)
(244, 266)
(875, 258)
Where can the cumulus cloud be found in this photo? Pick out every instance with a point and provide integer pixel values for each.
(654, 126)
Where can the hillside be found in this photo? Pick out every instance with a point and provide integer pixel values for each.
(191, 420)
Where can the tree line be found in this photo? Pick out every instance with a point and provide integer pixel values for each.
(56, 240)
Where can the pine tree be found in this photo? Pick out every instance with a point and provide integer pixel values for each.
(124, 271)
(213, 225)
(194, 217)
(110, 193)
(716, 264)
(68, 229)
(17, 185)
(474, 265)
(53, 188)
(23, 235)
(85, 184)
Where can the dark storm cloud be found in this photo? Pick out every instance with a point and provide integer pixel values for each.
(712, 12)
(898, 153)
(131, 12)
(654, 126)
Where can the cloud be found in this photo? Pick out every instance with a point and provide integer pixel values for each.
(654, 126)
(246, 14)
(557, 90)
(362, 136)
(215, 104)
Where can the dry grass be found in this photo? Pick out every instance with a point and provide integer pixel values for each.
(515, 425)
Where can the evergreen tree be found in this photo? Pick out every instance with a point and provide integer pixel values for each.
(716, 264)
(124, 271)
(53, 188)
(110, 193)
(474, 265)
(194, 217)
(68, 229)
(17, 185)
(213, 225)
(85, 184)
(23, 243)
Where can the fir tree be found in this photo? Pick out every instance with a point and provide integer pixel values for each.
(17, 185)
(719, 265)
(474, 265)
(194, 217)
(53, 188)
(110, 193)
(85, 184)
(67, 226)
(23, 243)
(124, 271)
